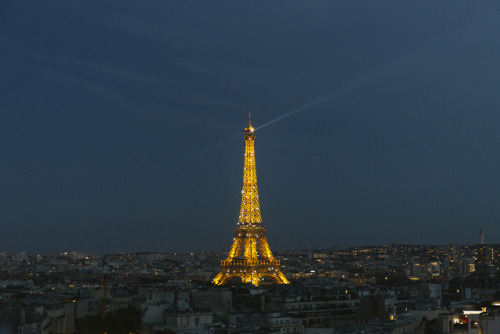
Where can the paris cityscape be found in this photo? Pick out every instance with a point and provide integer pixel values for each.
(249, 167)
(379, 289)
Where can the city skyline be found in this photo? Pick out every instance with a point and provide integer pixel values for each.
(121, 123)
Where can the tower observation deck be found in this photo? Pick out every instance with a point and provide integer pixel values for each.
(250, 257)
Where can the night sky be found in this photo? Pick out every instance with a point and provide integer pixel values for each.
(121, 123)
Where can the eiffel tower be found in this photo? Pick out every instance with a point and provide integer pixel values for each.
(250, 257)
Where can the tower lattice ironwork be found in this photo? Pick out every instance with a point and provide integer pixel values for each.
(250, 257)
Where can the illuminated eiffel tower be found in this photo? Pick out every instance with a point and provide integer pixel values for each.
(250, 257)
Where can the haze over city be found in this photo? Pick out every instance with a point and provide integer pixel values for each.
(122, 123)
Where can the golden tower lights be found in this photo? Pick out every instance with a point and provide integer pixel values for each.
(250, 257)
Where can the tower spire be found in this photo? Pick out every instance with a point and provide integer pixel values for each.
(250, 208)
(250, 257)
(249, 119)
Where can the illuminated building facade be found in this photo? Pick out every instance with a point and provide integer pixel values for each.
(250, 257)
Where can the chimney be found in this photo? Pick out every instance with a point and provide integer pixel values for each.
(481, 237)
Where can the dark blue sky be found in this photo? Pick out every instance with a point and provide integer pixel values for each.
(118, 122)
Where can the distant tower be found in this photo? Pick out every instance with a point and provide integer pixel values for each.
(481, 237)
(250, 257)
